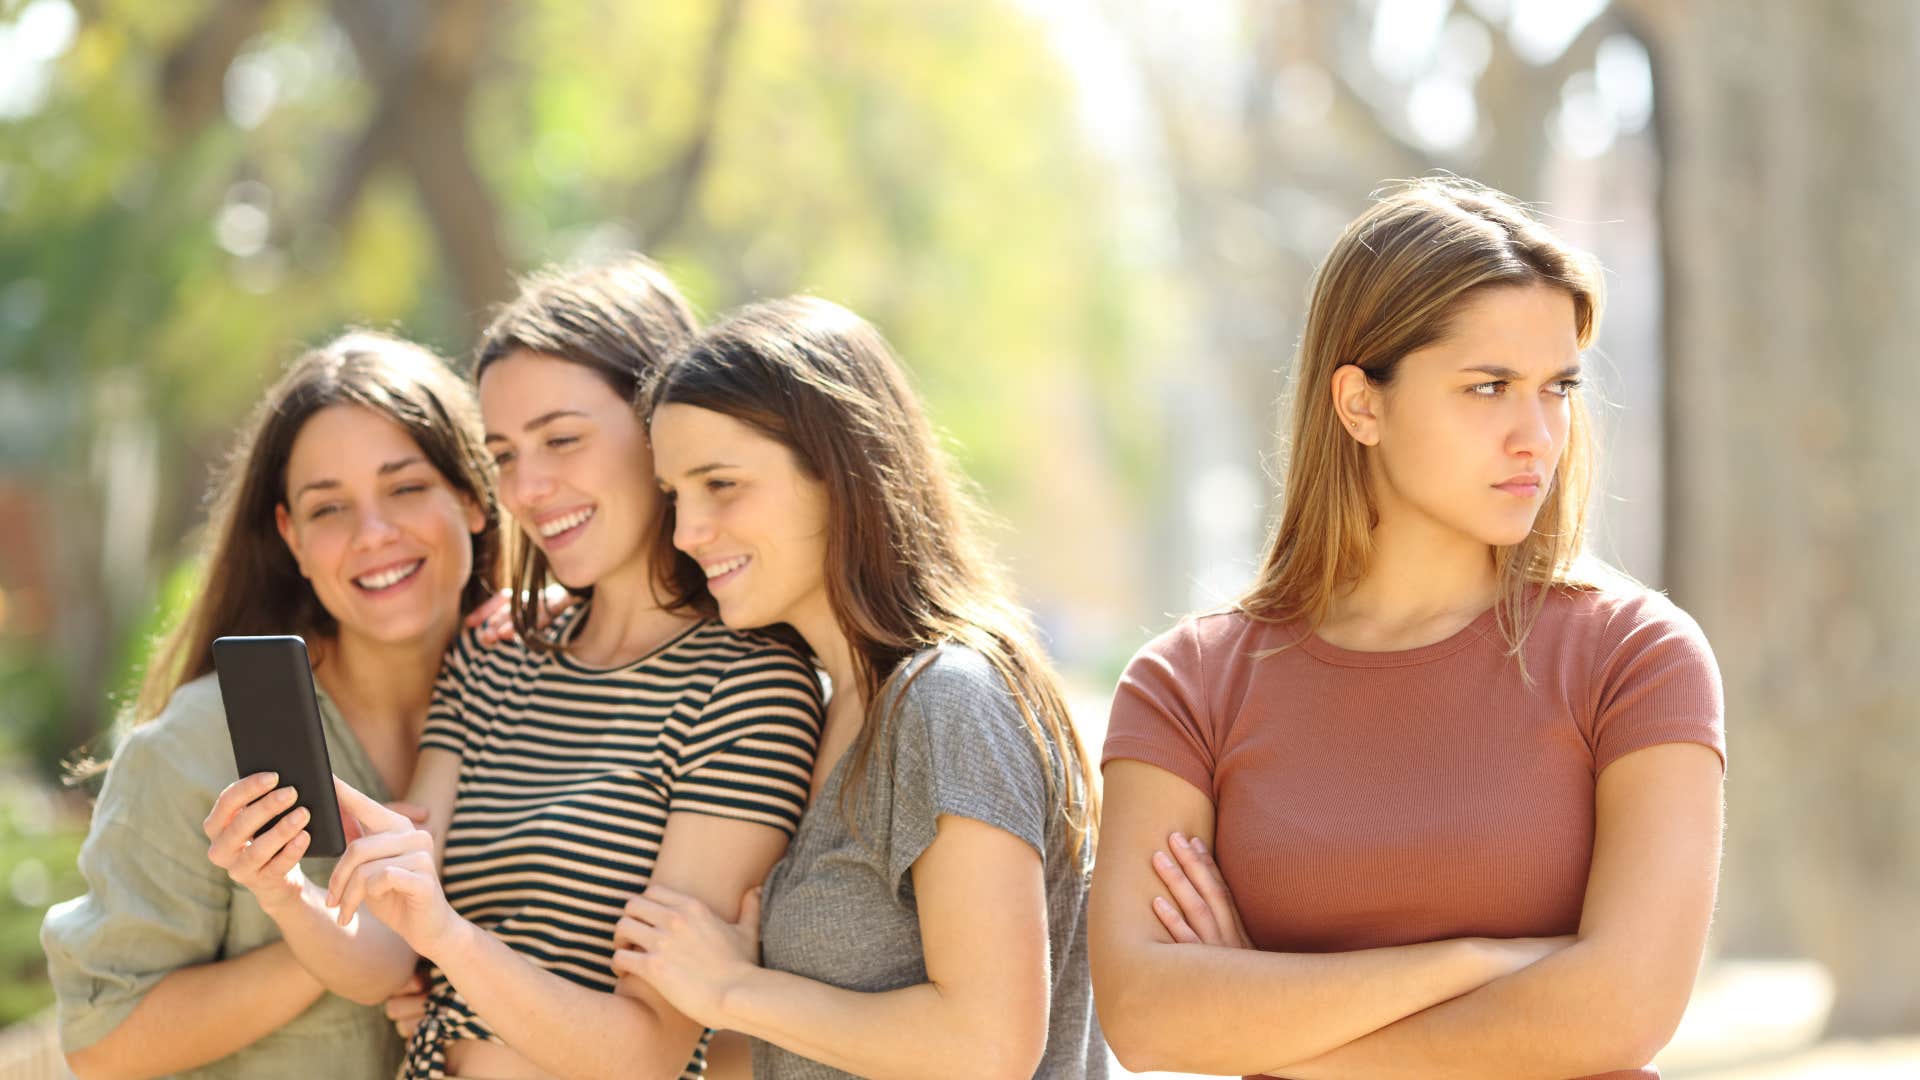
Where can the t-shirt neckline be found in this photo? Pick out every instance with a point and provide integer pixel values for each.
(1482, 627)
(563, 636)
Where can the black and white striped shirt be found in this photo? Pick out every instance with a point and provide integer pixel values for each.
(568, 774)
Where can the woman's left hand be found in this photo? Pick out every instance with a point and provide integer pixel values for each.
(1202, 911)
(689, 955)
(390, 868)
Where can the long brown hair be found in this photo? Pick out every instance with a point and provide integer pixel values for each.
(1392, 285)
(619, 321)
(906, 568)
(252, 584)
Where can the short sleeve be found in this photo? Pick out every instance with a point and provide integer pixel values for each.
(451, 724)
(750, 755)
(1160, 715)
(960, 746)
(1657, 683)
(153, 903)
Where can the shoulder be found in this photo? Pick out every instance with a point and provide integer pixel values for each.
(1210, 640)
(951, 675)
(1615, 613)
(182, 753)
(745, 651)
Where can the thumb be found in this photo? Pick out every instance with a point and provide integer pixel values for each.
(370, 814)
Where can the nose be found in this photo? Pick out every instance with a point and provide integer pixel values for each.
(1533, 428)
(373, 529)
(525, 487)
(692, 527)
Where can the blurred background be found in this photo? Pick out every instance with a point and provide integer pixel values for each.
(1087, 226)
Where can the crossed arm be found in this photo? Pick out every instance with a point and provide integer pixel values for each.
(1608, 1000)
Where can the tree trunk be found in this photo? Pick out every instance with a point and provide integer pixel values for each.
(1791, 217)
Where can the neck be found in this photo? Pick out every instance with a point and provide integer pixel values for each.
(625, 621)
(1421, 572)
(835, 653)
(376, 683)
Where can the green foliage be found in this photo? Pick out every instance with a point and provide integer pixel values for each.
(38, 852)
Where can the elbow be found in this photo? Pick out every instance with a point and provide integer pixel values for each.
(1016, 1058)
(1135, 1040)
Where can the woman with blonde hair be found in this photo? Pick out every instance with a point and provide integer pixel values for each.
(929, 918)
(1440, 795)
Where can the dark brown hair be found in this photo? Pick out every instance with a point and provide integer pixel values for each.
(906, 568)
(252, 584)
(619, 321)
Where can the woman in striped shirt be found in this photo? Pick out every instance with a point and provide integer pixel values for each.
(627, 744)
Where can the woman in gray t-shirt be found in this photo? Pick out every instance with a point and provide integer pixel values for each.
(929, 916)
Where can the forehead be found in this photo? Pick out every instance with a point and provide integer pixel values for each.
(343, 440)
(688, 437)
(526, 384)
(1528, 328)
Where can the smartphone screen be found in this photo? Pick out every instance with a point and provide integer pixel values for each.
(273, 717)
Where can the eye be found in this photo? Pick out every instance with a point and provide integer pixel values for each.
(1488, 389)
(1563, 387)
(410, 489)
(503, 459)
(323, 510)
(561, 442)
(717, 485)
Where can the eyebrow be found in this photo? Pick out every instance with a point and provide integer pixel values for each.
(1499, 372)
(385, 470)
(539, 421)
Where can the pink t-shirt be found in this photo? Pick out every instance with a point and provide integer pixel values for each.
(1367, 799)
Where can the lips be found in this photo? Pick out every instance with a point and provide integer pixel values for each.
(389, 577)
(724, 570)
(1524, 485)
(557, 529)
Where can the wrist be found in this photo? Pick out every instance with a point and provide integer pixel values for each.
(736, 999)
(449, 949)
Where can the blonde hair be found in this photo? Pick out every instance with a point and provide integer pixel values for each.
(1393, 282)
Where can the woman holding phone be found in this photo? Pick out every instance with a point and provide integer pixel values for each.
(357, 511)
(928, 920)
(1440, 796)
(632, 742)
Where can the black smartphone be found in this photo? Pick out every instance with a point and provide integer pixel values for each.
(266, 685)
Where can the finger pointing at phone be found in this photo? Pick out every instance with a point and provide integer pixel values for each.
(390, 869)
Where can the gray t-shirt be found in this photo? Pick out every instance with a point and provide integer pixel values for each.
(841, 909)
(154, 903)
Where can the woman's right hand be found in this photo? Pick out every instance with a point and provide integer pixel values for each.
(268, 865)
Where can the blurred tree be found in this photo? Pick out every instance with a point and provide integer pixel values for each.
(193, 189)
(1791, 218)
(1273, 120)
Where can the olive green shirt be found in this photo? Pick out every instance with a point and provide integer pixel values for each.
(154, 902)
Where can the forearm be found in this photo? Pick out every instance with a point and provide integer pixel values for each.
(198, 1015)
(566, 1029)
(904, 1034)
(363, 961)
(1209, 1009)
(1575, 1013)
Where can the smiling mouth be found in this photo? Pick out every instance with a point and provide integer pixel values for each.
(716, 571)
(382, 580)
(566, 523)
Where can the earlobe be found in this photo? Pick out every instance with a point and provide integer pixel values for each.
(284, 523)
(476, 517)
(1353, 402)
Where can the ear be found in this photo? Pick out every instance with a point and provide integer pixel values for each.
(476, 517)
(283, 521)
(1356, 402)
